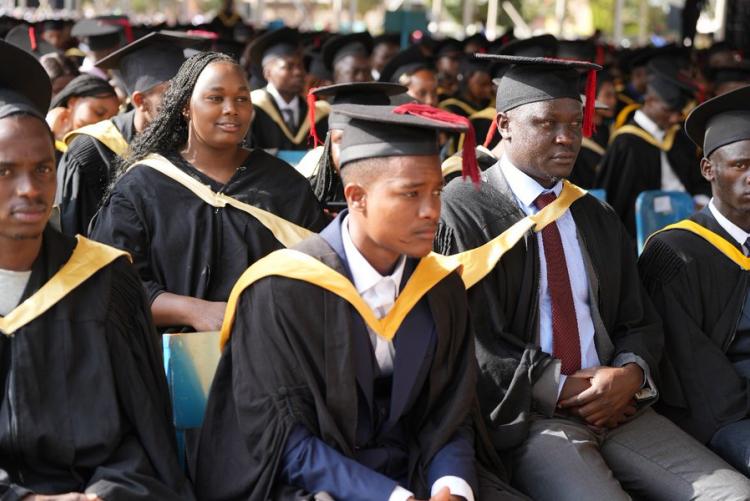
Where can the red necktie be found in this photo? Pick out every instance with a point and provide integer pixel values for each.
(565, 341)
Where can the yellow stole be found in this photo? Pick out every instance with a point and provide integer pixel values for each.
(473, 264)
(284, 231)
(664, 145)
(485, 114)
(454, 163)
(61, 146)
(452, 101)
(106, 132)
(624, 114)
(88, 257)
(721, 243)
(261, 99)
(593, 146)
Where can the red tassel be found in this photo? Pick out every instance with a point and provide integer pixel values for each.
(32, 39)
(600, 55)
(588, 111)
(469, 164)
(491, 133)
(311, 100)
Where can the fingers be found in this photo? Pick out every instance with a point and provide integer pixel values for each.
(583, 398)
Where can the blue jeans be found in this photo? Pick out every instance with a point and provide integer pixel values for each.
(732, 442)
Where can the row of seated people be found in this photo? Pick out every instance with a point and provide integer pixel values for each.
(525, 360)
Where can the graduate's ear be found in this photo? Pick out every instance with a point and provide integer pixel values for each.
(708, 170)
(356, 196)
(503, 125)
(138, 99)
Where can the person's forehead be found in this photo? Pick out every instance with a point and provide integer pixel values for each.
(735, 151)
(22, 130)
(551, 106)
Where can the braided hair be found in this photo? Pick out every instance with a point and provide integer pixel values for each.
(168, 133)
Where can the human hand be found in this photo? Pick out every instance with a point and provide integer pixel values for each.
(443, 495)
(207, 316)
(575, 384)
(70, 496)
(609, 400)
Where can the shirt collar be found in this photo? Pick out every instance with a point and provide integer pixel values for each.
(364, 276)
(524, 187)
(734, 231)
(292, 105)
(648, 125)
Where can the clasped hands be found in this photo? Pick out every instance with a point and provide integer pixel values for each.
(603, 396)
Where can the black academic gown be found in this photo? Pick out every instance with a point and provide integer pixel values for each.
(586, 167)
(632, 165)
(300, 355)
(182, 245)
(700, 294)
(266, 133)
(83, 175)
(85, 403)
(505, 304)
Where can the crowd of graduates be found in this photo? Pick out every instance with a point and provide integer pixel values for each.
(427, 305)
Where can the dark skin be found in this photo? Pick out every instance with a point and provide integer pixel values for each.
(660, 112)
(608, 97)
(147, 105)
(448, 65)
(543, 139)
(639, 79)
(382, 53)
(218, 115)
(352, 68)
(728, 171)
(287, 74)
(423, 87)
(27, 189)
(478, 89)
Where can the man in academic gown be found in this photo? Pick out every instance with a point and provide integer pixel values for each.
(567, 343)
(281, 120)
(652, 152)
(84, 406)
(310, 399)
(89, 165)
(347, 57)
(701, 289)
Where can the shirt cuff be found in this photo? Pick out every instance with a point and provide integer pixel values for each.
(400, 494)
(458, 487)
(563, 378)
(648, 383)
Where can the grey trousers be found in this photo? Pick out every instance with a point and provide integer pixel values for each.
(648, 457)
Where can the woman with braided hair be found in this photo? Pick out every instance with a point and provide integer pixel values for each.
(189, 251)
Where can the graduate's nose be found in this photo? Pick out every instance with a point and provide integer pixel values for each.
(430, 209)
(230, 107)
(565, 136)
(27, 186)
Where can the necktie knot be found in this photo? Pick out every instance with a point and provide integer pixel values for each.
(544, 200)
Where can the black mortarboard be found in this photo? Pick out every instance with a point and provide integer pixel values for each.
(389, 38)
(97, 34)
(539, 46)
(670, 85)
(405, 62)
(52, 24)
(277, 43)
(720, 121)
(85, 85)
(406, 130)
(152, 59)
(478, 39)
(530, 80)
(447, 47)
(314, 66)
(580, 50)
(341, 46)
(26, 37)
(739, 72)
(25, 89)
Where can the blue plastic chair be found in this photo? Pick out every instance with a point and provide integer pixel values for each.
(599, 193)
(190, 361)
(292, 157)
(656, 209)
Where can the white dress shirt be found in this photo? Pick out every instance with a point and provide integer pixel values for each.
(380, 294)
(12, 285)
(669, 180)
(292, 105)
(526, 191)
(734, 231)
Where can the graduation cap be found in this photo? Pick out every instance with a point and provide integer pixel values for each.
(27, 88)
(26, 38)
(85, 85)
(314, 66)
(277, 43)
(478, 39)
(579, 50)
(52, 24)
(670, 85)
(387, 38)
(406, 130)
(534, 79)
(97, 34)
(362, 93)
(342, 46)
(448, 47)
(152, 59)
(539, 46)
(720, 121)
(405, 62)
(739, 72)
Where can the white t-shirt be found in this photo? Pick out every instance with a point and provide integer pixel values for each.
(12, 285)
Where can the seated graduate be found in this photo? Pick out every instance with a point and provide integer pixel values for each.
(188, 247)
(85, 405)
(566, 338)
(697, 275)
(321, 164)
(84, 101)
(347, 57)
(312, 395)
(281, 120)
(416, 72)
(88, 166)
